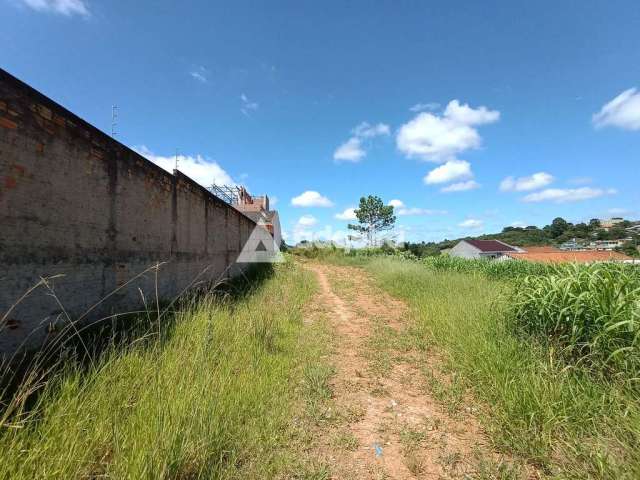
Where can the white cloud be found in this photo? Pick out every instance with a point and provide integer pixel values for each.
(518, 224)
(63, 7)
(365, 130)
(415, 211)
(439, 138)
(307, 221)
(471, 223)
(400, 209)
(247, 106)
(273, 201)
(419, 107)
(563, 195)
(434, 138)
(200, 74)
(301, 233)
(450, 171)
(523, 184)
(348, 214)
(623, 112)
(466, 115)
(311, 198)
(200, 169)
(460, 186)
(352, 150)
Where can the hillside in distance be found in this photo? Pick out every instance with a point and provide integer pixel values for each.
(556, 233)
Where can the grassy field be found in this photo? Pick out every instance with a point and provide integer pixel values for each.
(213, 396)
(233, 385)
(569, 419)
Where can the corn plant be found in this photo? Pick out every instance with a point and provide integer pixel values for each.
(592, 312)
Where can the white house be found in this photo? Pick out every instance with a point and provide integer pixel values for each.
(482, 249)
(608, 244)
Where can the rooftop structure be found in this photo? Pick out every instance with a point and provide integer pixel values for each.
(588, 256)
(481, 249)
(254, 207)
(541, 249)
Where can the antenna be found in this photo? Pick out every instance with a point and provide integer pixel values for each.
(176, 159)
(114, 117)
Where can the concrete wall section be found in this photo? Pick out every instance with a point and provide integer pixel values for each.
(464, 250)
(76, 203)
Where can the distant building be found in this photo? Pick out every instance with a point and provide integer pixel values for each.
(254, 207)
(572, 245)
(481, 249)
(607, 245)
(611, 222)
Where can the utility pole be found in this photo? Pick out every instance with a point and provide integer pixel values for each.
(114, 118)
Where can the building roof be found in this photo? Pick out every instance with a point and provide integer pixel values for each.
(585, 256)
(541, 249)
(491, 246)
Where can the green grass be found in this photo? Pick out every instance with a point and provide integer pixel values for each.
(213, 397)
(550, 412)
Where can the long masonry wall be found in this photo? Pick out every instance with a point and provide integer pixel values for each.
(81, 207)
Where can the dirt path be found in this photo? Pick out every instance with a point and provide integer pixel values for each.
(389, 425)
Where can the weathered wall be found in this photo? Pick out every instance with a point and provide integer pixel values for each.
(464, 250)
(76, 203)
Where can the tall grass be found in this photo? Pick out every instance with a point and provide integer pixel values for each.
(591, 312)
(208, 398)
(568, 422)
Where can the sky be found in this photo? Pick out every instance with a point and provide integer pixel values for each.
(466, 116)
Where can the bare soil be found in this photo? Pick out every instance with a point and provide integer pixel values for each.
(388, 423)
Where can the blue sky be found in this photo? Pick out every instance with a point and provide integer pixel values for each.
(470, 115)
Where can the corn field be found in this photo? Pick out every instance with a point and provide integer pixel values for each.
(591, 312)
(490, 268)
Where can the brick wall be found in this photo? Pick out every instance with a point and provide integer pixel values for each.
(81, 207)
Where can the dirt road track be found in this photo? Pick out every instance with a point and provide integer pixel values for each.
(393, 427)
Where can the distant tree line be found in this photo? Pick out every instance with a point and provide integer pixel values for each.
(556, 233)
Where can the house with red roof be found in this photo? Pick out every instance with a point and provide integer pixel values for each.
(563, 256)
(482, 249)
